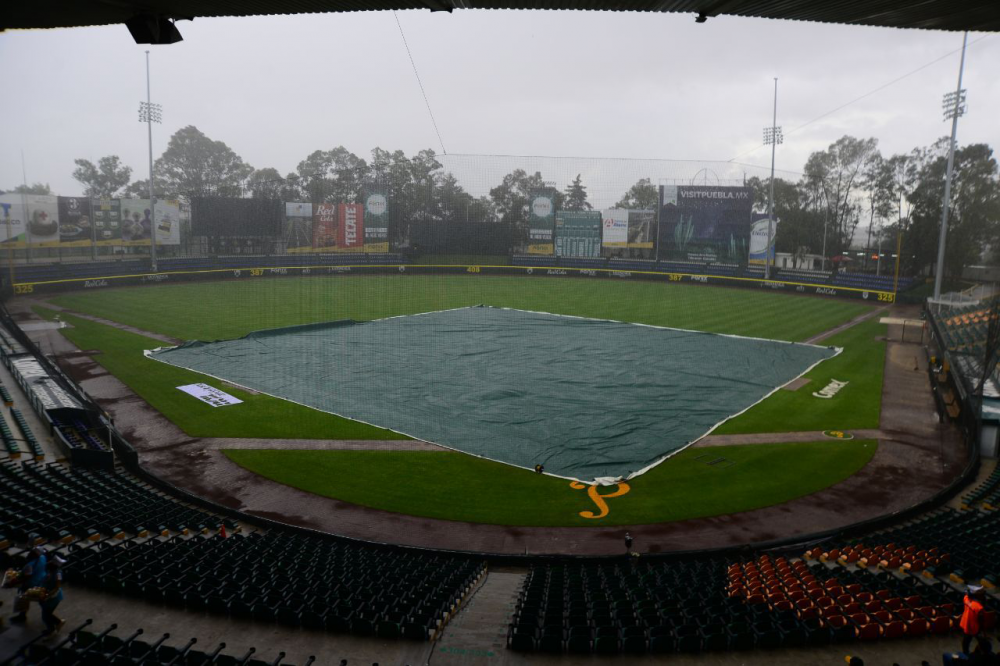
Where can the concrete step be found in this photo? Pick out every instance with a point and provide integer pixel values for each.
(477, 635)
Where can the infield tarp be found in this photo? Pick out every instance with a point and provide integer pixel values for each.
(589, 399)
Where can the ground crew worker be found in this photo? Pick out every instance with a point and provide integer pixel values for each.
(970, 618)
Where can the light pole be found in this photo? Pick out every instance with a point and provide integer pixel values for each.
(772, 137)
(953, 106)
(150, 113)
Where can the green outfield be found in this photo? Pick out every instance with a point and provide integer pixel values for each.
(220, 310)
(454, 486)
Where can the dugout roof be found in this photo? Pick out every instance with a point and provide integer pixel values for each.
(978, 15)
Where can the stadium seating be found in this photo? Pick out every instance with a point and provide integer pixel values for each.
(29, 437)
(88, 646)
(53, 502)
(868, 281)
(121, 536)
(290, 579)
(986, 494)
(712, 604)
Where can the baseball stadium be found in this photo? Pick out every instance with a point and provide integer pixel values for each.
(375, 424)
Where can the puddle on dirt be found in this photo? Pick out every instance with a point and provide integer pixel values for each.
(30, 326)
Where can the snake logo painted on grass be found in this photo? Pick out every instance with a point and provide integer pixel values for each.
(599, 498)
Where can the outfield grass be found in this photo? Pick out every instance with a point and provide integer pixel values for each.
(454, 486)
(856, 405)
(156, 383)
(222, 310)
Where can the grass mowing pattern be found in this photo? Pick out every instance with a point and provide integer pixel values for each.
(222, 310)
(453, 486)
(259, 415)
(855, 406)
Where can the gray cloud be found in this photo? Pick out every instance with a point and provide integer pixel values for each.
(531, 83)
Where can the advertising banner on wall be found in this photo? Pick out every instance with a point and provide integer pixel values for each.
(13, 217)
(75, 222)
(324, 231)
(43, 220)
(351, 228)
(137, 223)
(107, 217)
(541, 221)
(615, 221)
(705, 223)
(298, 209)
(578, 233)
(376, 217)
(640, 229)
(759, 233)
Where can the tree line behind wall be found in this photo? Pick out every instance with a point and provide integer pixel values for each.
(849, 195)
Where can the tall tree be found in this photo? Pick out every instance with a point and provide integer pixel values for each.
(641, 196)
(266, 183)
(973, 209)
(333, 176)
(34, 188)
(576, 196)
(195, 165)
(839, 170)
(105, 179)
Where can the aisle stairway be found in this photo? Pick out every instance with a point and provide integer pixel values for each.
(477, 634)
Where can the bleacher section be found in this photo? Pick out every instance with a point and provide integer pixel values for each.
(712, 604)
(873, 282)
(295, 580)
(123, 537)
(964, 328)
(986, 494)
(55, 503)
(89, 646)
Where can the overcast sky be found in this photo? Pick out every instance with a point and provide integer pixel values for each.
(640, 86)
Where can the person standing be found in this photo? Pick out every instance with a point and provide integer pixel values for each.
(53, 595)
(32, 575)
(970, 617)
(628, 543)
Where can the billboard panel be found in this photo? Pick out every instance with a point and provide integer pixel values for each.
(541, 221)
(705, 223)
(228, 216)
(43, 220)
(758, 240)
(75, 222)
(298, 209)
(351, 228)
(137, 223)
(615, 222)
(324, 231)
(578, 233)
(13, 217)
(107, 214)
(167, 214)
(376, 216)
(640, 229)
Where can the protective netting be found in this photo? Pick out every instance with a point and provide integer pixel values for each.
(589, 399)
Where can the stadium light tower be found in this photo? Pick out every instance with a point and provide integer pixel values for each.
(953, 107)
(150, 113)
(772, 137)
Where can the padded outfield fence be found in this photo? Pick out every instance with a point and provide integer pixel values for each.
(99, 275)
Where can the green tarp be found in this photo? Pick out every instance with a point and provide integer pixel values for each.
(589, 399)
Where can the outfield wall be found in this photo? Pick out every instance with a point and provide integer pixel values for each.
(254, 270)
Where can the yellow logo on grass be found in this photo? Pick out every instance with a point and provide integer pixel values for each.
(599, 498)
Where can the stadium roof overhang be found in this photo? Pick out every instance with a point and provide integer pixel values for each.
(150, 20)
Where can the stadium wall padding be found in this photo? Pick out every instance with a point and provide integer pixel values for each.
(252, 269)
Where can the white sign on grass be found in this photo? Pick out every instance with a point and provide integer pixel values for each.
(210, 394)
